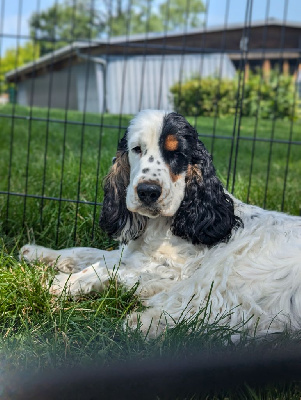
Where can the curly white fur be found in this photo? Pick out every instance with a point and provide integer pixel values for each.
(256, 273)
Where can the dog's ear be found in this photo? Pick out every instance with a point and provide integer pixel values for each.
(115, 218)
(206, 214)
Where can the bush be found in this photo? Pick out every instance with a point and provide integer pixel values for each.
(275, 94)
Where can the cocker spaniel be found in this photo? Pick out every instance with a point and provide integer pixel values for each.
(184, 237)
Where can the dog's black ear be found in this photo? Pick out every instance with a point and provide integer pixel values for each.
(115, 218)
(206, 214)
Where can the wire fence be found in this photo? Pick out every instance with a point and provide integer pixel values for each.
(238, 83)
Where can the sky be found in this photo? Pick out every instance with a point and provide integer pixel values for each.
(14, 14)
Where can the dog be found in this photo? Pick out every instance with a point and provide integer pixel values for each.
(184, 238)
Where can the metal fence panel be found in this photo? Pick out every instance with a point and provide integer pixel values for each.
(258, 159)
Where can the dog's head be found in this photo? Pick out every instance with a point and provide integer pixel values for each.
(163, 169)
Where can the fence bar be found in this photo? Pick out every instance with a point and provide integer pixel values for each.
(276, 103)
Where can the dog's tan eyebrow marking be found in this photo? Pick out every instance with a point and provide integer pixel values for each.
(173, 176)
(171, 143)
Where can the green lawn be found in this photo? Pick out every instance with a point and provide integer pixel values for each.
(54, 172)
(39, 331)
(57, 172)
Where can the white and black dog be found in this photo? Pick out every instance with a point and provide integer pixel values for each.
(181, 232)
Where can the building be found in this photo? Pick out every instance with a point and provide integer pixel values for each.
(127, 74)
(71, 79)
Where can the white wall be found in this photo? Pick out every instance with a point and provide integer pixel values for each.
(57, 90)
(74, 87)
(89, 92)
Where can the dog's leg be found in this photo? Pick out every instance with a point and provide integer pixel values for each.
(178, 301)
(96, 276)
(67, 260)
(151, 322)
(93, 278)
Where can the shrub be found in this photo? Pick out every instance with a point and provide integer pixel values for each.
(275, 94)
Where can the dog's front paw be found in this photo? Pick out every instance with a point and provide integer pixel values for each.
(34, 253)
(65, 284)
(78, 284)
(152, 323)
(60, 284)
(31, 252)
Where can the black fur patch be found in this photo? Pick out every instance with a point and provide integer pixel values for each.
(206, 214)
(176, 125)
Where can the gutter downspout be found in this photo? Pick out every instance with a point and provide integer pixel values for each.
(103, 63)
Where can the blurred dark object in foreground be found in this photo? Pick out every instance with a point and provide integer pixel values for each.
(163, 378)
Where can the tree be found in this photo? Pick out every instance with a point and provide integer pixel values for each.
(73, 20)
(14, 58)
(181, 14)
(63, 23)
(139, 16)
(131, 17)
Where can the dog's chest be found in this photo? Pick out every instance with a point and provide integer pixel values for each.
(168, 252)
(160, 245)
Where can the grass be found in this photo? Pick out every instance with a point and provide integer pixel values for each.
(60, 168)
(44, 331)
(39, 331)
(63, 170)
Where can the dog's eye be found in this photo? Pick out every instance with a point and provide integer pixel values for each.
(137, 150)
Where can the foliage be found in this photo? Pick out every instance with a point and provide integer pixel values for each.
(15, 57)
(181, 14)
(271, 96)
(140, 16)
(204, 96)
(65, 22)
(131, 17)
(275, 93)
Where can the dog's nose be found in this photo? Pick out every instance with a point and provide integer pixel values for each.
(148, 193)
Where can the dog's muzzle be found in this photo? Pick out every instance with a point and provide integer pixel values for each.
(148, 193)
